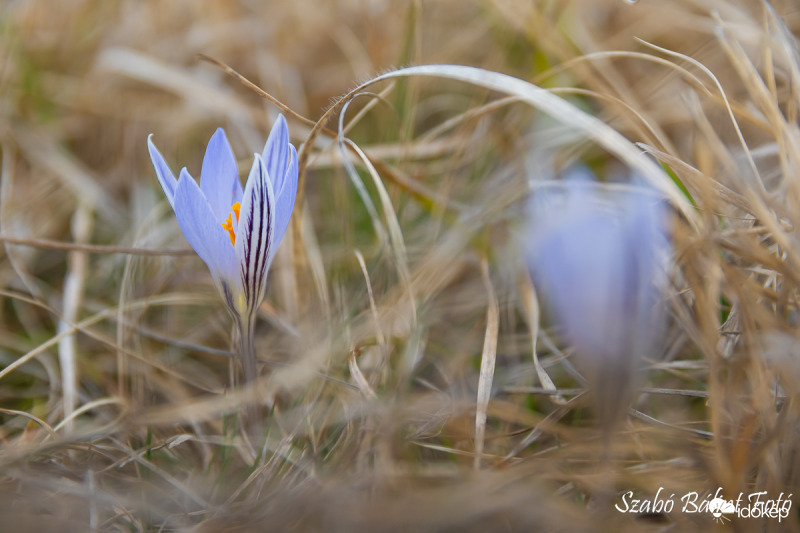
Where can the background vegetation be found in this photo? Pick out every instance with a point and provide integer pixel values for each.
(397, 277)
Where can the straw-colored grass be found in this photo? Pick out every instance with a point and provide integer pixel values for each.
(411, 379)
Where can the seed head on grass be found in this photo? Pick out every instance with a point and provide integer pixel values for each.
(236, 232)
(600, 266)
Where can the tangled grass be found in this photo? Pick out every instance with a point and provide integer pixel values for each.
(410, 379)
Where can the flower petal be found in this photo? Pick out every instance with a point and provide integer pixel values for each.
(276, 154)
(219, 177)
(255, 234)
(648, 242)
(165, 176)
(588, 267)
(580, 260)
(600, 264)
(204, 233)
(284, 201)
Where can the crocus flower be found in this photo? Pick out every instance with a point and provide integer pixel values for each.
(236, 232)
(600, 265)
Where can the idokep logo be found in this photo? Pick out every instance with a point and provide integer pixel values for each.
(746, 505)
(719, 508)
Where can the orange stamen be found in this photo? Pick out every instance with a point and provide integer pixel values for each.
(228, 224)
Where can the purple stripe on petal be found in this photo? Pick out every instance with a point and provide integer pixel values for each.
(219, 178)
(204, 233)
(164, 174)
(255, 233)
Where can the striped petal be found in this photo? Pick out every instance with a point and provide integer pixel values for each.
(255, 235)
(165, 176)
(205, 234)
(219, 177)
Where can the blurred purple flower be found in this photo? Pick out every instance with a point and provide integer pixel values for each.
(238, 250)
(600, 265)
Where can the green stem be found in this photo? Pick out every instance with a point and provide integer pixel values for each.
(248, 349)
(250, 420)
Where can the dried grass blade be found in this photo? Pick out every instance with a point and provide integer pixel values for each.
(92, 248)
(488, 358)
(313, 255)
(378, 330)
(530, 304)
(358, 376)
(395, 233)
(558, 108)
(86, 408)
(31, 417)
(74, 283)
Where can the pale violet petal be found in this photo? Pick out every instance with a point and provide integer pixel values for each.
(578, 265)
(164, 174)
(255, 234)
(585, 261)
(205, 234)
(219, 177)
(284, 202)
(597, 258)
(276, 154)
(649, 244)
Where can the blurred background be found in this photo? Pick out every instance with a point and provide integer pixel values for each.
(396, 279)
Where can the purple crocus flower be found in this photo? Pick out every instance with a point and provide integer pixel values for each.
(598, 258)
(236, 232)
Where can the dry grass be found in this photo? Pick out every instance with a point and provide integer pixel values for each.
(398, 390)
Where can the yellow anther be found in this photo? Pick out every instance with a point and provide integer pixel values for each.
(228, 224)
